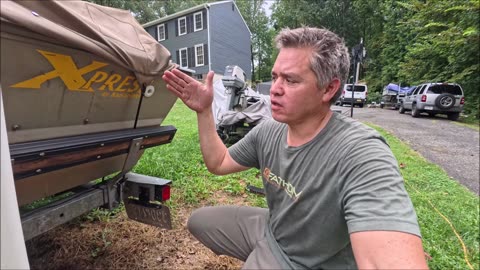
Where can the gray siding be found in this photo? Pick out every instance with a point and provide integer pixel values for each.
(173, 42)
(230, 39)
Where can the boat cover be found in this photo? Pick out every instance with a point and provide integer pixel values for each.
(257, 111)
(110, 33)
(395, 88)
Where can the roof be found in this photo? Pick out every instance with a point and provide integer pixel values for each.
(193, 9)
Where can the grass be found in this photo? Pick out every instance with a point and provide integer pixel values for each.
(181, 161)
(444, 208)
(430, 188)
(471, 122)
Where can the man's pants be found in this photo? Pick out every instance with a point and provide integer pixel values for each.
(236, 231)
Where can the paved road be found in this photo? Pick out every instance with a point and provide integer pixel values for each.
(453, 147)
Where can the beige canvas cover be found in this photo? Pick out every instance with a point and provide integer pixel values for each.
(110, 33)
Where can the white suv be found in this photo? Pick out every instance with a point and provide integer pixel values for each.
(435, 98)
(359, 95)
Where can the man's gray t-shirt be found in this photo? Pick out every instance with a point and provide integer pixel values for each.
(344, 180)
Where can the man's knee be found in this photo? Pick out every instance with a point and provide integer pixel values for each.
(199, 221)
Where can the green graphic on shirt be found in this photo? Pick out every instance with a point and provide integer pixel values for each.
(281, 183)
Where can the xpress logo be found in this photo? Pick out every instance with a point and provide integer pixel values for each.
(111, 85)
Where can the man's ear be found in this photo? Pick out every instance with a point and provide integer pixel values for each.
(331, 89)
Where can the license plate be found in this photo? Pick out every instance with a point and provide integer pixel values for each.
(359, 100)
(151, 214)
(428, 107)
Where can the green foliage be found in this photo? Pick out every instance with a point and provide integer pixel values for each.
(431, 41)
(374, 96)
(103, 239)
(408, 42)
(103, 214)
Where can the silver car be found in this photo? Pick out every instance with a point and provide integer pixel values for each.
(435, 98)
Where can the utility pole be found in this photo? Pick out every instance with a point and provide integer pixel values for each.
(359, 54)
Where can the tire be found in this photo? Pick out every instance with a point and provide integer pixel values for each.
(401, 110)
(415, 111)
(381, 106)
(341, 103)
(453, 116)
(360, 105)
(445, 101)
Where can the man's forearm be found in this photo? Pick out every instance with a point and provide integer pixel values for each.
(213, 149)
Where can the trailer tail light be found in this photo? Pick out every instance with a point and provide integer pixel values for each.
(165, 193)
(162, 193)
(462, 101)
(424, 98)
(343, 93)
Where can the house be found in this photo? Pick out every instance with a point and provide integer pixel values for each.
(264, 87)
(206, 37)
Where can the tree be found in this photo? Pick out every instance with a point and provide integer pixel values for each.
(262, 43)
(446, 46)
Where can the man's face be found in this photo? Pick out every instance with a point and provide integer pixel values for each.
(294, 93)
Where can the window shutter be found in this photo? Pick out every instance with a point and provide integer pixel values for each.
(189, 23)
(191, 57)
(166, 30)
(178, 57)
(192, 21)
(204, 17)
(176, 27)
(205, 54)
(155, 35)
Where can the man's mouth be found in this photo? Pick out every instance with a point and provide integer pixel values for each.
(275, 104)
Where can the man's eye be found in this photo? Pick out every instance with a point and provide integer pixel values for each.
(290, 80)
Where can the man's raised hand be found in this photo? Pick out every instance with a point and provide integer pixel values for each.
(196, 95)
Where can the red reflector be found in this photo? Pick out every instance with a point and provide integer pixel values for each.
(424, 98)
(343, 92)
(165, 193)
(462, 101)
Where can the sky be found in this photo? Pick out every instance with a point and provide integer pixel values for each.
(267, 7)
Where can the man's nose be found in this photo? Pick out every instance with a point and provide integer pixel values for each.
(276, 89)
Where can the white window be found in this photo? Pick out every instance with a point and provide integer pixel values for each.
(182, 26)
(183, 57)
(161, 32)
(199, 59)
(198, 24)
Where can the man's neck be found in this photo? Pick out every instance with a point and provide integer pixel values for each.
(303, 132)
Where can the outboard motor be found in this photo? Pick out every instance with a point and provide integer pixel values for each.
(235, 85)
(237, 108)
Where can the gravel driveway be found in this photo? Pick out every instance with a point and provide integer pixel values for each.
(453, 147)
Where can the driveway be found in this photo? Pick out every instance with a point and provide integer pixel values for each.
(453, 147)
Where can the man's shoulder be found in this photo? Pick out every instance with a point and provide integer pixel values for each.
(352, 128)
(348, 133)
